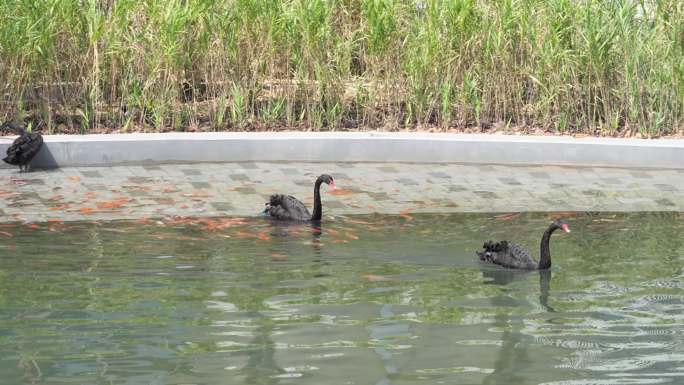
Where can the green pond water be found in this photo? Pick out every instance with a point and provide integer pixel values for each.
(362, 300)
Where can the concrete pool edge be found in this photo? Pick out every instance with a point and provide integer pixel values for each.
(158, 148)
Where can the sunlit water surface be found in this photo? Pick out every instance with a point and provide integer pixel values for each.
(362, 300)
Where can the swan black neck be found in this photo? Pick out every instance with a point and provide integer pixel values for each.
(545, 252)
(318, 209)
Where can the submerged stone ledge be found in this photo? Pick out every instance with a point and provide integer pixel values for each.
(240, 189)
(160, 148)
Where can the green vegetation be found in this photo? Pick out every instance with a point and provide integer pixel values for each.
(564, 65)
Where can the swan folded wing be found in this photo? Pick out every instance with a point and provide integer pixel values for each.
(516, 256)
(490, 249)
(15, 150)
(23, 149)
(31, 148)
(495, 246)
(287, 207)
(507, 255)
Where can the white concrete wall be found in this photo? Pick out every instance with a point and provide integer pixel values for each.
(66, 150)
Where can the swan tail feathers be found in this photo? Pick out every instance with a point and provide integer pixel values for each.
(495, 246)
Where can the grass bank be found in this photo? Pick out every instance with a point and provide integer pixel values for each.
(586, 66)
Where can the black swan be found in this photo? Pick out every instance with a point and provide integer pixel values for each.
(287, 207)
(24, 148)
(515, 256)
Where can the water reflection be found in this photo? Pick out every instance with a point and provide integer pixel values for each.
(366, 300)
(512, 361)
(393, 338)
(502, 276)
(316, 243)
(261, 367)
(544, 288)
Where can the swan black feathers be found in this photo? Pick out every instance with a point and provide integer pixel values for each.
(289, 208)
(514, 256)
(24, 148)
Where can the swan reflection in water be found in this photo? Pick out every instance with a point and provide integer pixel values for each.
(505, 276)
(513, 358)
(261, 366)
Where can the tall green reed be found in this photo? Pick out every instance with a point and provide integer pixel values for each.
(577, 66)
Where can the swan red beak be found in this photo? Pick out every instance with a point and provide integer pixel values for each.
(565, 228)
(332, 186)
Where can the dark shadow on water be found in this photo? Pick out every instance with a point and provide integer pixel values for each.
(261, 364)
(512, 359)
(544, 288)
(261, 367)
(316, 245)
(288, 235)
(502, 276)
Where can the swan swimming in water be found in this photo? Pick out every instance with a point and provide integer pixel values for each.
(287, 207)
(514, 256)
